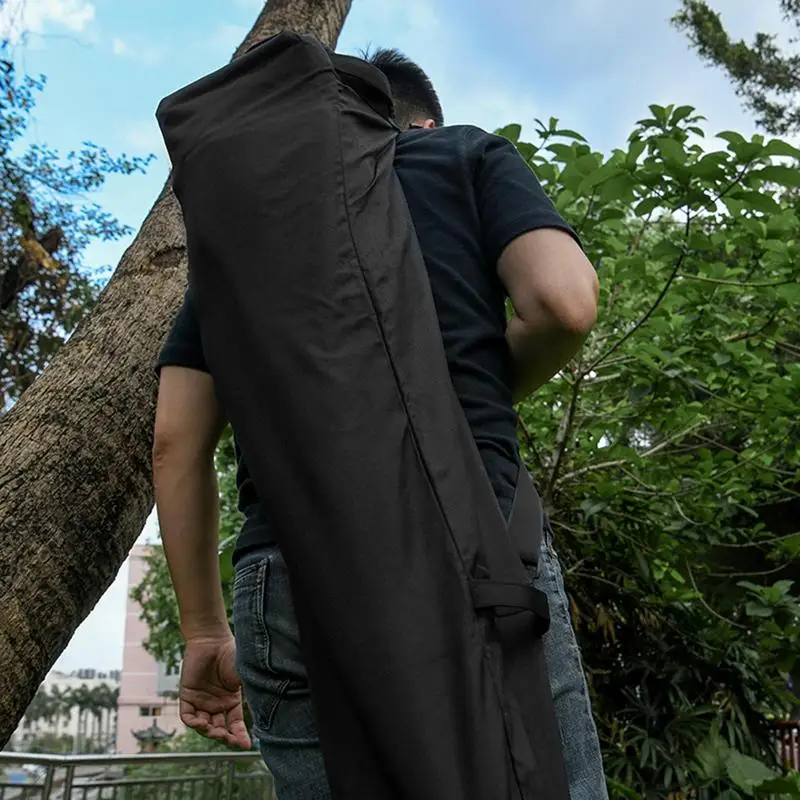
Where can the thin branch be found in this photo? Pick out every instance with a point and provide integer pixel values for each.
(748, 284)
(597, 578)
(682, 514)
(787, 347)
(650, 490)
(576, 531)
(640, 235)
(731, 185)
(758, 543)
(592, 468)
(529, 441)
(564, 434)
(662, 294)
(740, 337)
(705, 603)
(755, 574)
(674, 438)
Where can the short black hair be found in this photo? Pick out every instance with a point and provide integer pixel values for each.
(412, 90)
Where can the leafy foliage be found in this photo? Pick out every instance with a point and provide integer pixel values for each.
(675, 433)
(250, 781)
(766, 78)
(667, 452)
(45, 225)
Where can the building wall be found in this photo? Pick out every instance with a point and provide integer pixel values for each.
(140, 702)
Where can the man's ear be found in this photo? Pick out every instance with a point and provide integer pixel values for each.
(429, 123)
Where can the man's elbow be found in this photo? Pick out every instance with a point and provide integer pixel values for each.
(576, 313)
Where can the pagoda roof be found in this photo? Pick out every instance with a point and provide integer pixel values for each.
(153, 734)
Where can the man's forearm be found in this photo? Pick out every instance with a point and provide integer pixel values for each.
(187, 500)
(538, 352)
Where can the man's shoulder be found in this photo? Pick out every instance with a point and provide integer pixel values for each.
(451, 143)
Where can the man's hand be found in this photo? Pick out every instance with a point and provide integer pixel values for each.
(211, 692)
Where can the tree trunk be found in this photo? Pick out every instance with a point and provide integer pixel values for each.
(75, 475)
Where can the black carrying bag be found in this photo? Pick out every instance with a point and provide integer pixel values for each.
(421, 633)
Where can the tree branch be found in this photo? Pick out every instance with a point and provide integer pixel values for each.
(662, 294)
(749, 284)
(674, 438)
(705, 604)
(562, 440)
(592, 468)
(530, 443)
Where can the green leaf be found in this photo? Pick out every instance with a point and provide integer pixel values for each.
(636, 148)
(619, 790)
(753, 609)
(526, 150)
(711, 755)
(732, 137)
(600, 176)
(567, 133)
(758, 201)
(587, 164)
(617, 188)
(510, 132)
(700, 241)
(680, 113)
(746, 772)
(775, 173)
(786, 785)
(666, 249)
(776, 147)
(672, 150)
(562, 152)
(660, 113)
(710, 165)
(647, 205)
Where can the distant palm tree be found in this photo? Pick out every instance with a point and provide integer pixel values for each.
(99, 703)
(83, 700)
(63, 704)
(112, 699)
(38, 709)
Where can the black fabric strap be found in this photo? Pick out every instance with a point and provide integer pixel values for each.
(505, 599)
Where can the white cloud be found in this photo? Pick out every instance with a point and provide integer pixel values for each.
(18, 17)
(142, 53)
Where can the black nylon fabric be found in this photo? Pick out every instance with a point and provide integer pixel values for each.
(340, 396)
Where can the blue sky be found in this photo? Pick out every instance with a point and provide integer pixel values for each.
(594, 64)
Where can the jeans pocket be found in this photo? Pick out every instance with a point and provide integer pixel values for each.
(269, 658)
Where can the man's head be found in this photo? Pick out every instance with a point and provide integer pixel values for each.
(416, 104)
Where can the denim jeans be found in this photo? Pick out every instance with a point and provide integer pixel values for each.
(276, 687)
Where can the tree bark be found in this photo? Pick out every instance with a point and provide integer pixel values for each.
(75, 475)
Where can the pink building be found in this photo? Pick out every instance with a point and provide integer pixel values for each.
(146, 693)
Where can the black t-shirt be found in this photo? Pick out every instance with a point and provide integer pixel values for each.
(470, 194)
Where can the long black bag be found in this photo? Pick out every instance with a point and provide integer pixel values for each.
(420, 632)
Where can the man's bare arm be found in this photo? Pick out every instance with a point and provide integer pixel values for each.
(188, 426)
(554, 290)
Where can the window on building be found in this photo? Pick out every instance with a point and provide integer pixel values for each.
(157, 712)
(144, 711)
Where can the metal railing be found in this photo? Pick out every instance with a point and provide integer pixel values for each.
(788, 740)
(156, 776)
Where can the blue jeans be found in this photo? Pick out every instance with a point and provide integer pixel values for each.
(276, 687)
